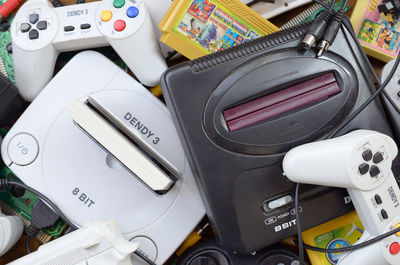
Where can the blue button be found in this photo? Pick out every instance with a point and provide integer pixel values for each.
(132, 12)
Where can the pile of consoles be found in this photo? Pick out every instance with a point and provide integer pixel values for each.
(133, 177)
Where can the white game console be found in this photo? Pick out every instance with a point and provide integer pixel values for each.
(152, 195)
(99, 243)
(361, 162)
(11, 228)
(269, 10)
(40, 32)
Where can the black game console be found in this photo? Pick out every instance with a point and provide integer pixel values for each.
(208, 252)
(239, 110)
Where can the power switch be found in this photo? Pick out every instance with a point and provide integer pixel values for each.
(272, 205)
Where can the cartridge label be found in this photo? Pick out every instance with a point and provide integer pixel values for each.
(212, 27)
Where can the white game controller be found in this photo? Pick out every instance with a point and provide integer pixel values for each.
(361, 162)
(40, 32)
(11, 228)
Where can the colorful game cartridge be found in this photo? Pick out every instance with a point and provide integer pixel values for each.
(341, 232)
(378, 33)
(196, 28)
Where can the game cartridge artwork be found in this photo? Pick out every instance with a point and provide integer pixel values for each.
(198, 27)
(378, 31)
(212, 27)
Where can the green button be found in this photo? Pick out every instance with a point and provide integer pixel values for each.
(119, 3)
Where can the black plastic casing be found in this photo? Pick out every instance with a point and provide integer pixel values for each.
(239, 172)
(210, 253)
(11, 104)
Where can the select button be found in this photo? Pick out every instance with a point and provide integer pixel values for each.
(69, 28)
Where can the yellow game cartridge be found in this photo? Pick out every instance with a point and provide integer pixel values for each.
(196, 28)
(378, 33)
(343, 231)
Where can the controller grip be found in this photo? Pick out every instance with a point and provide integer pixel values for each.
(141, 52)
(33, 70)
(371, 254)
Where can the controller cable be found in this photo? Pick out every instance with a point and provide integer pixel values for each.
(380, 89)
(4, 183)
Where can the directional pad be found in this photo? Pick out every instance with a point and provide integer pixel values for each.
(367, 155)
(33, 34)
(41, 25)
(363, 168)
(374, 171)
(378, 157)
(25, 27)
(33, 18)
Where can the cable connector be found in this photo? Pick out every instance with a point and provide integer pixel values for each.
(330, 33)
(389, 6)
(42, 216)
(316, 29)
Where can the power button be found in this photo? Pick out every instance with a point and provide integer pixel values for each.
(23, 149)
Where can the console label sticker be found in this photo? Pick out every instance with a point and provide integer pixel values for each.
(379, 31)
(212, 27)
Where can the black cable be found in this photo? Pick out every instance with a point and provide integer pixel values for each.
(298, 224)
(27, 247)
(367, 102)
(41, 196)
(331, 135)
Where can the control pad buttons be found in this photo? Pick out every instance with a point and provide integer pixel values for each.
(106, 15)
(119, 3)
(119, 25)
(41, 25)
(378, 157)
(132, 12)
(394, 248)
(363, 168)
(374, 171)
(367, 155)
(23, 149)
(33, 34)
(33, 18)
(25, 27)
(395, 227)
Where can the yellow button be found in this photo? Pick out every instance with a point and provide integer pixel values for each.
(106, 15)
(395, 227)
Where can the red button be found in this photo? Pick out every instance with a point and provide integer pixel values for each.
(394, 248)
(119, 25)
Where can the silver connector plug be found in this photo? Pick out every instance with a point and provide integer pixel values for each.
(322, 48)
(308, 41)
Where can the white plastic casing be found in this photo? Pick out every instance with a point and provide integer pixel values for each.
(376, 197)
(34, 59)
(11, 228)
(81, 178)
(99, 243)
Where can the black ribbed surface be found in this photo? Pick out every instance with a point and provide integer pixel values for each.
(247, 48)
